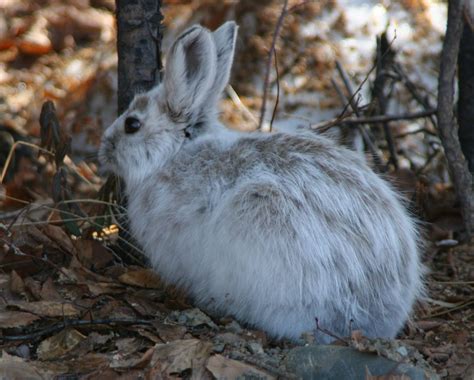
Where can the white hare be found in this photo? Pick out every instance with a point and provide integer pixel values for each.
(275, 229)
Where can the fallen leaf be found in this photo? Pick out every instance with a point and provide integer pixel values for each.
(46, 308)
(49, 292)
(178, 356)
(224, 368)
(34, 287)
(144, 278)
(56, 346)
(428, 324)
(168, 332)
(10, 319)
(61, 238)
(17, 284)
(92, 254)
(15, 368)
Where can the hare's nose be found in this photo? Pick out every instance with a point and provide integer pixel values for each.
(132, 125)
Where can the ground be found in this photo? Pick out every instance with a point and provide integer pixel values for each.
(77, 298)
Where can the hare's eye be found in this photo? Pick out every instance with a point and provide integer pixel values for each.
(132, 125)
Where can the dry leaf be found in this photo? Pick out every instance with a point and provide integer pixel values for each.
(17, 284)
(34, 287)
(36, 41)
(15, 368)
(61, 238)
(92, 254)
(49, 292)
(10, 319)
(144, 278)
(59, 344)
(169, 333)
(47, 308)
(223, 368)
(178, 356)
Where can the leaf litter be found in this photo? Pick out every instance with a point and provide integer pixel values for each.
(73, 304)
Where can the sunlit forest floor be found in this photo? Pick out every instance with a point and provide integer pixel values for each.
(63, 260)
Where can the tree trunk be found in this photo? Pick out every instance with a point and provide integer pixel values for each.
(466, 94)
(139, 69)
(446, 122)
(138, 47)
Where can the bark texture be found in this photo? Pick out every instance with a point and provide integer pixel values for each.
(446, 122)
(139, 38)
(466, 94)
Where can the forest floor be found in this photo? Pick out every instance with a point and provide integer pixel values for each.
(76, 299)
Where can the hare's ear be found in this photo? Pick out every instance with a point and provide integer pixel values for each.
(190, 73)
(224, 39)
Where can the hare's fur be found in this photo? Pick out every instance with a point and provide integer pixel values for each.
(275, 229)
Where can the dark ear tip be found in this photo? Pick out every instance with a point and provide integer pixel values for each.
(193, 31)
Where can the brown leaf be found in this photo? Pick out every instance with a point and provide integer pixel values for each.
(47, 308)
(169, 333)
(141, 362)
(223, 368)
(428, 324)
(61, 238)
(59, 344)
(36, 41)
(99, 288)
(92, 254)
(144, 278)
(10, 319)
(88, 362)
(17, 285)
(49, 292)
(34, 287)
(15, 368)
(178, 356)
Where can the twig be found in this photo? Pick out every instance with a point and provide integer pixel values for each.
(411, 87)
(236, 99)
(384, 118)
(324, 331)
(365, 134)
(131, 246)
(75, 323)
(414, 132)
(277, 100)
(266, 83)
(456, 308)
(12, 151)
(446, 122)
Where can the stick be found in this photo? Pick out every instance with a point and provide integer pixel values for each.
(266, 83)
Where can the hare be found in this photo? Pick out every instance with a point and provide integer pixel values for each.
(274, 229)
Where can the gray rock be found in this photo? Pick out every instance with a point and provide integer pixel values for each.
(193, 318)
(255, 348)
(339, 363)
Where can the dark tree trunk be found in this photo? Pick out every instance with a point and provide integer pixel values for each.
(466, 94)
(138, 46)
(139, 69)
(446, 121)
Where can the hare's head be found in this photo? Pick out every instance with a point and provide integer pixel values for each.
(158, 122)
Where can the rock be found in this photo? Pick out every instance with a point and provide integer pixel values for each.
(231, 339)
(323, 362)
(193, 318)
(255, 348)
(234, 327)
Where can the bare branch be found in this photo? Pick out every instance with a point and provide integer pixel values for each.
(266, 83)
